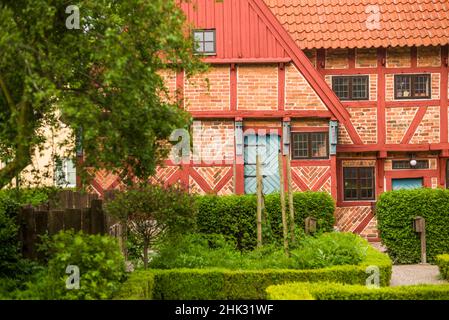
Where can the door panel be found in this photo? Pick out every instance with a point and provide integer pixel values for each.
(267, 146)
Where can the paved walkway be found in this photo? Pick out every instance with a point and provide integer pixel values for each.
(405, 275)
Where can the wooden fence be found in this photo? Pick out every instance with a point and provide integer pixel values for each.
(68, 210)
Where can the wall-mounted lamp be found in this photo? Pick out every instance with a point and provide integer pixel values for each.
(413, 161)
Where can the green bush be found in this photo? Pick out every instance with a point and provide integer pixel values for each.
(153, 213)
(319, 205)
(330, 249)
(196, 284)
(98, 258)
(338, 291)
(442, 261)
(395, 213)
(213, 251)
(9, 245)
(235, 216)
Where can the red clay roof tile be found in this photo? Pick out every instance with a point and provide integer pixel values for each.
(346, 24)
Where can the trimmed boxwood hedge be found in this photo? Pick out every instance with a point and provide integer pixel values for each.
(442, 261)
(234, 216)
(338, 291)
(221, 284)
(395, 213)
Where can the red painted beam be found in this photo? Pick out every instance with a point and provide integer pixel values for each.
(414, 125)
(233, 92)
(211, 60)
(415, 103)
(260, 114)
(334, 179)
(414, 57)
(281, 87)
(444, 96)
(381, 124)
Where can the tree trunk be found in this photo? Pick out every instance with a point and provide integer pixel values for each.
(145, 254)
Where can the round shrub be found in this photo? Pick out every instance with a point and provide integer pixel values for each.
(396, 211)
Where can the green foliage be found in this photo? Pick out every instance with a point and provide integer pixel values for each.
(215, 283)
(98, 258)
(235, 216)
(395, 213)
(103, 77)
(330, 249)
(214, 251)
(338, 291)
(319, 205)
(153, 213)
(9, 246)
(442, 261)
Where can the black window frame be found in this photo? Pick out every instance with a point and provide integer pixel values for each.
(359, 188)
(412, 86)
(205, 53)
(405, 165)
(309, 145)
(350, 79)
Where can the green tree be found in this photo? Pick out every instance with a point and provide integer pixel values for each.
(102, 80)
(154, 213)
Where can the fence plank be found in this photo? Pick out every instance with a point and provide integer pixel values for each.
(55, 221)
(97, 217)
(41, 221)
(72, 219)
(86, 220)
(29, 233)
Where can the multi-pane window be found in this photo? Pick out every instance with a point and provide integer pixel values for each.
(405, 164)
(412, 86)
(351, 87)
(65, 173)
(358, 183)
(205, 41)
(310, 145)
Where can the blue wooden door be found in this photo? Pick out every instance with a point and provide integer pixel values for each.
(267, 146)
(409, 183)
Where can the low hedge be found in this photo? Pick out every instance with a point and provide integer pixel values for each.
(234, 216)
(442, 261)
(221, 284)
(395, 213)
(338, 291)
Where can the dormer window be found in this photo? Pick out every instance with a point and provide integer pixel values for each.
(205, 41)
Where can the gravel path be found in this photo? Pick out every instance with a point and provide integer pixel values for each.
(405, 275)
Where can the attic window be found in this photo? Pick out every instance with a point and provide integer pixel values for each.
(205, 41)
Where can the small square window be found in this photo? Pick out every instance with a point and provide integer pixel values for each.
(351, 87)
(310, 145)
(412, 86)
(358, 183)
(205, 41)
(65, 173)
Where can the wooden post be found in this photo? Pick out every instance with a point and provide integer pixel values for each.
(283, 209)
(290, 198)
(419, 226)
(423, 246)
(259, 201)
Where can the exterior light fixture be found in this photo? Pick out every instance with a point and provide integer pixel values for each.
(413, 161)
